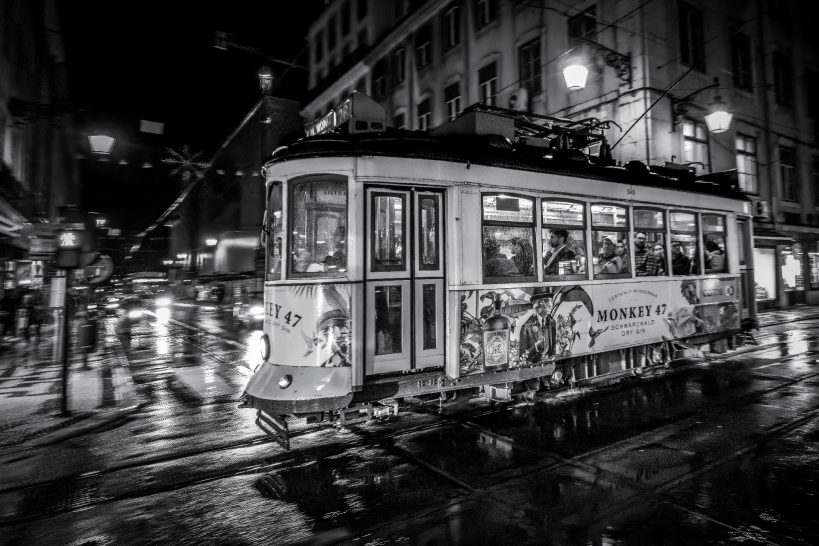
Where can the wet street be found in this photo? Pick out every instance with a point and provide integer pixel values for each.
(724, 451)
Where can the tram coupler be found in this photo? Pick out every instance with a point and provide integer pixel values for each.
(275, 428)
(367, 412)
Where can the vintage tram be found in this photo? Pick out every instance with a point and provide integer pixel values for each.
(491, 255)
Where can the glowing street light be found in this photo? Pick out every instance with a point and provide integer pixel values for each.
(101, 144)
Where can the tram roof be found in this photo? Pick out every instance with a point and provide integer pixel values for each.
(494, 150)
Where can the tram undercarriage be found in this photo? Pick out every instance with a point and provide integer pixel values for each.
(383, 397)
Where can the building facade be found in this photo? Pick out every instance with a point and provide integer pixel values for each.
(38, 172)
(653, 70)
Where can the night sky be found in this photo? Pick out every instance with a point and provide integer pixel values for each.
(146, 59)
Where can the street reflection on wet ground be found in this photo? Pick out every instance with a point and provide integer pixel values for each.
(719, 452)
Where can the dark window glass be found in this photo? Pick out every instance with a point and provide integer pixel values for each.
(452, 98)
(362, 9)
(741, 61)
(692, 37)
(428, 232)
(318, 47)
(452, 27)
(399, 65)
(275, 233)
(488, 83)
(787, 173)
(424, 115)
(399, 121)
(485, 12)
(529, 64)
(423, 46)
(583, 25)
(380, 80)
(812, 83)
(684, 248)
(430, 328)
(389, 239)
(747, 175)
(388, 328)
(331, 34)
(345, 18)
(783, 79)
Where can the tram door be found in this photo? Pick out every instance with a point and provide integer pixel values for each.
(404, 280)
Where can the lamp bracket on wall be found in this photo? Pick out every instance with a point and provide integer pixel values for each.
(620, 62)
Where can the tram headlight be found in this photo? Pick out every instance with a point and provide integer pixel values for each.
(285, 381)
(264, 347)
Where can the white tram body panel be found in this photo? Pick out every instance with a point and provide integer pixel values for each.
(412, 309)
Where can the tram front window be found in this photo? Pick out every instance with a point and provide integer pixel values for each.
(275, 234)
(318, 220)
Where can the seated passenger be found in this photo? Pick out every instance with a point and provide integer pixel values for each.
(558, 253)
(680, 263)
(497, 264)
(608, 261)
(714, 257)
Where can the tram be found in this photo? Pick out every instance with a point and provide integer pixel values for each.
(494, 255)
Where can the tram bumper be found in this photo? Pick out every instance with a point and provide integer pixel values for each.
(278, 389)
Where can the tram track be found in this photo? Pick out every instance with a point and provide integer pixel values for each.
(363, 439)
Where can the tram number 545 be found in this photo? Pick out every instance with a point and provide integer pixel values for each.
(631, 190)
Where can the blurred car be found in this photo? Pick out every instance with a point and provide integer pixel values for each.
(250, 311)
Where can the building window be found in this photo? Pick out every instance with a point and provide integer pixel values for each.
(423, 46)
(692, 37)
(508, 239)
(362, 9)
(399, 121)
(741, 61)
(583, 25)
(380, 80)
(488, 83)
(783, 79)
(452, 98)
(452, 27)
(787, 173)
(331, 34)
(318, 47)
(529, 59)
(424, 115)
(485, 12)
(345, 18)
(746, 164)
(399, 65)
(362, 37)
(695, 144)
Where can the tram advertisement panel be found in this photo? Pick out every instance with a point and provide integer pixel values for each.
(542, 324)
(309, 325)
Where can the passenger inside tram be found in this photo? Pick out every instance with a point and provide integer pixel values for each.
(714, 257)
(496, 264)
(680, 263)
(560, 260)
(608, 261)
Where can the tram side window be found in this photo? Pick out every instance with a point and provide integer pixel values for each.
(684, 249)
(650, 250)
(508, 239)
(564, 238)
(713, 233)
(610, 227)
(275, 232)
(318, 226)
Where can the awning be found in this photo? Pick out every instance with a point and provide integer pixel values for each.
(770, 236)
